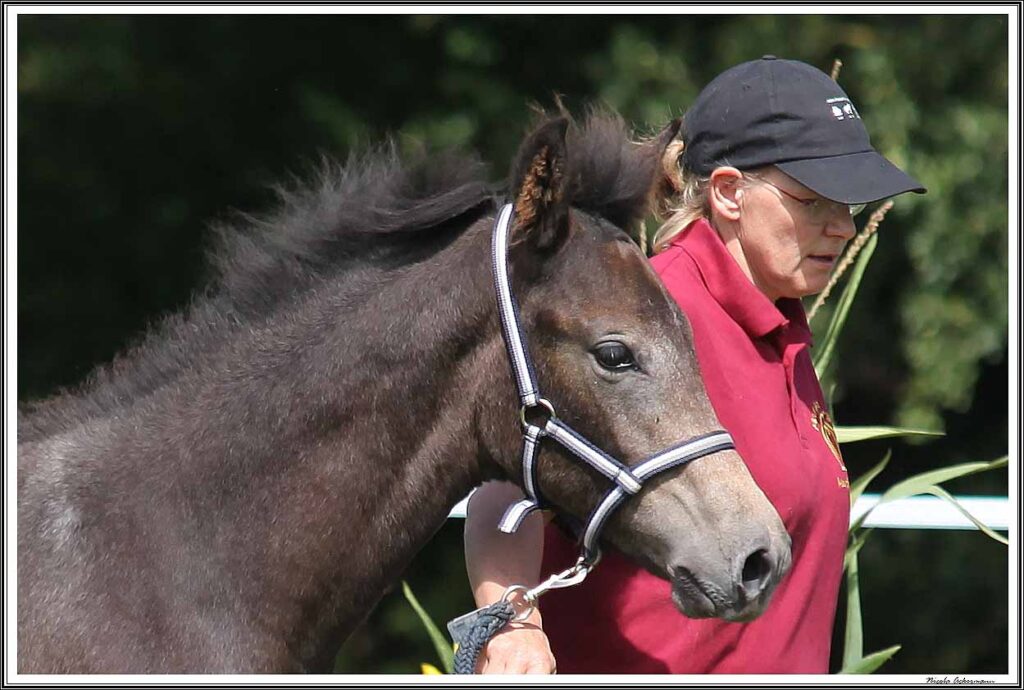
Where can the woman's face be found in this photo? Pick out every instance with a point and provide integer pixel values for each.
(790, 238)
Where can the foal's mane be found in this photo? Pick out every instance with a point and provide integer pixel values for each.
(377, 211)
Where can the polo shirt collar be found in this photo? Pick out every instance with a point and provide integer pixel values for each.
(734, 291)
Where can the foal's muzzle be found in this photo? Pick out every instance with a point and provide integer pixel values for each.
(741, 593)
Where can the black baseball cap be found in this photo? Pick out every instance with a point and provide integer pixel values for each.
(793, 116)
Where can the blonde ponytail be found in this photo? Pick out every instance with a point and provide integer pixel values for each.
(684, 200)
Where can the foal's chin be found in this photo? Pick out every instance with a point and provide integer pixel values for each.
(696, 599)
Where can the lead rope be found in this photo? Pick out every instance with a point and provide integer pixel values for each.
(489, 620)
(475, 629)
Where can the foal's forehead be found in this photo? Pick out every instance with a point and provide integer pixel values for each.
(607, 239)
(609, 260)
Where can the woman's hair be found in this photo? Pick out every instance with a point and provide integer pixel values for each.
(684, 196)
(685, 200)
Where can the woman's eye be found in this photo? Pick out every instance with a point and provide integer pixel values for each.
(614, 356)
(816, 209)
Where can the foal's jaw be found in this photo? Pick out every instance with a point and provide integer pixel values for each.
(713, 536)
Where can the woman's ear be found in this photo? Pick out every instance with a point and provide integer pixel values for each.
(725, 192)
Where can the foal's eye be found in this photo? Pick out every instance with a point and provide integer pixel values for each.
(614, 356)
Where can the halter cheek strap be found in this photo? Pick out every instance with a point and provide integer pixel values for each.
(627, 481)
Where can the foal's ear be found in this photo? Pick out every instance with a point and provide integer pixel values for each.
(539, 183)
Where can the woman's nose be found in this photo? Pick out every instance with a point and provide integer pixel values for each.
(841, 225)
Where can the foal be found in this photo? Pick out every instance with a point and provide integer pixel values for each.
(237, 492)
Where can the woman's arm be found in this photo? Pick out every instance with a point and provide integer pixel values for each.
(494, 561)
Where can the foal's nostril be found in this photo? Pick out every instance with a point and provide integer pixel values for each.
(757, 570)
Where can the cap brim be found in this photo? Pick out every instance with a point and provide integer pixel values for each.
(855, 178)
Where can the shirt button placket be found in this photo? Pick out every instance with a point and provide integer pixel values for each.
(789, 365)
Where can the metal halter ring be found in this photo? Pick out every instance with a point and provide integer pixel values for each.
(541, 402)
(590, 564)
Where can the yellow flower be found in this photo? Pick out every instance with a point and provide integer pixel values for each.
(429, 670)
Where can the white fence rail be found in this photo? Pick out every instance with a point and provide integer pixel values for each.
(916, 512)
(931, 512)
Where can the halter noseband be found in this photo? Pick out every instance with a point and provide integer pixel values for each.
(628, 481)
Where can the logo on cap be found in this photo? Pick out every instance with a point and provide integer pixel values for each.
(842, 108)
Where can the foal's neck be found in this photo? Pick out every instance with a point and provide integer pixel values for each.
(344, 432)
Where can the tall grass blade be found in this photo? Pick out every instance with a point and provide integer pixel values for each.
(945, 495)
(853, 639)
(835, 326)
(861, 483)
(924, 483)
(921, 483)
(444, 650)
(855, 546)
(871, 662)
(853, 434)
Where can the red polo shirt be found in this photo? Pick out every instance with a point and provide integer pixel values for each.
(755, 361)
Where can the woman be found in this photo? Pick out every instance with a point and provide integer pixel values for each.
(775, 162)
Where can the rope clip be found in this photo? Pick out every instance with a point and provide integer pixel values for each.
(528, 602)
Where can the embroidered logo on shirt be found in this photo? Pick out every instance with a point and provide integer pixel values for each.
(821, 421)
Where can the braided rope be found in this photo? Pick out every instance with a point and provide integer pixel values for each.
(488, 622)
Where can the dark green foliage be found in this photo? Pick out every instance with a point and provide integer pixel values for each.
(941, 595)
(135, 132)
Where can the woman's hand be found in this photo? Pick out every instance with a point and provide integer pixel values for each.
(517, 648)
